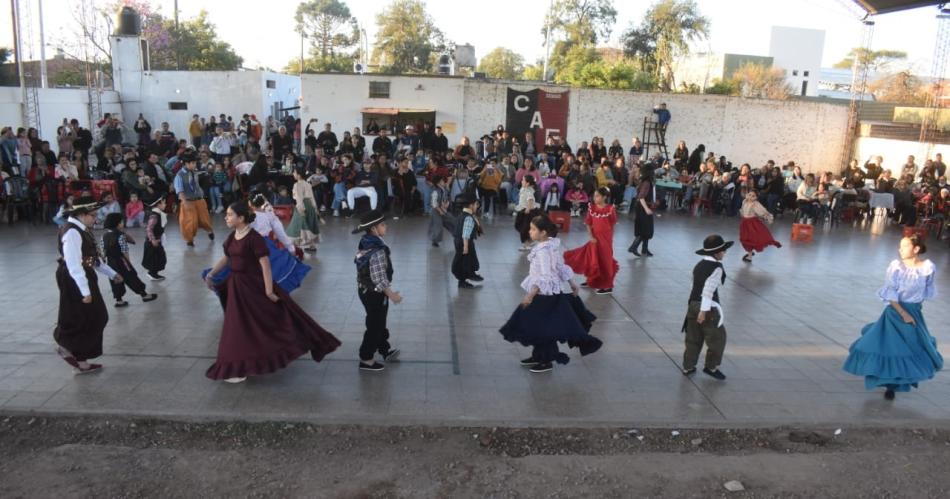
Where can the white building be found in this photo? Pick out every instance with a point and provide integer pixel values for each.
(175, 96)
(798, 51)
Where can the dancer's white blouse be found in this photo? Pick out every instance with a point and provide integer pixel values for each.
(548, 271)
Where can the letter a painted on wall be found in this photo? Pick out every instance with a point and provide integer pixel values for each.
(538, 111)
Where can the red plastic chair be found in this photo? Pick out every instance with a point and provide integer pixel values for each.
(562, 219)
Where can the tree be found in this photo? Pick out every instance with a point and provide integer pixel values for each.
(756, 80)
(332, 32)
(900, 88)
(876, 60)
(534, 72)
(668, 28)
(502, 63)
(5, 54)
(407, 40)
(577, 23)
(200, 48)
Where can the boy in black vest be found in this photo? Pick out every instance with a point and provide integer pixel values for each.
(465, 262)
(115, 250)
(374, 274)
(704, 316)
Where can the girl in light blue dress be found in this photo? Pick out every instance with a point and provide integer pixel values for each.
(897, 351)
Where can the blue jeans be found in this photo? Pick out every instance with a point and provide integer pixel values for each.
(425, 190)
(629, 194)
(217, 197)
(339, 195)
(513, 194)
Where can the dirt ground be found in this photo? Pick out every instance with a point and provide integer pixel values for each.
(109, 457)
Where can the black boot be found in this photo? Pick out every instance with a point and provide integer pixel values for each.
(633, 247)
(646, 248)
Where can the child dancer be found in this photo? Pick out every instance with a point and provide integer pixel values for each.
(753, 234)
(263, 330)
(578, 198)
(374, 274)
(439, 217)
(465, 263)
(305, 225)
(154, 257)
(702, 323)
(134, 211)
(897, 352)
(115, 248)
(526, 211)
(595, 260)
(549, 313)
(286, 268)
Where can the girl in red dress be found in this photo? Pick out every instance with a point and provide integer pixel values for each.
(264, 330)
(596, 258)
(753, 234)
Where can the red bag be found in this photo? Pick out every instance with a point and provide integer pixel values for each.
(562, 219)
(284, 212)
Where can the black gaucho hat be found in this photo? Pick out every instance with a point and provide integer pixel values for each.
(714, 244)
(465, 199)
(369, 220)
(83, 205)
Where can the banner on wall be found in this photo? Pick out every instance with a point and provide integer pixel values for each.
(544, 113)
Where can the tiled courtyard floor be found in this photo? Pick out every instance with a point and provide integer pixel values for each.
(790, 315)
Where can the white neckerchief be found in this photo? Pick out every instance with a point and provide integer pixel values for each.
(162, 216)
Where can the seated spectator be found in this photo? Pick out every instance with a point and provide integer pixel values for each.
(578, 198)
(110, 205)
(134, 212)
(806, 197)
(489, 188)
(364, 185)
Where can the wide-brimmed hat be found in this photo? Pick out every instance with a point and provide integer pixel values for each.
(153, 203)
(714, 244)
(83, 205)
(465, 198)
(368, 221)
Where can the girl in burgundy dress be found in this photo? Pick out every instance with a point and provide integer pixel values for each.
(595, 260)
(753, 233)
(264, 330)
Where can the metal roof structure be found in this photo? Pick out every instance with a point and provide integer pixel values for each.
(876, 7)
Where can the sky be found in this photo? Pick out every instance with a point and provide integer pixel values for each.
(262, 31)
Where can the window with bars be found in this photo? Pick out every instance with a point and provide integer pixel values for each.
(379, 90)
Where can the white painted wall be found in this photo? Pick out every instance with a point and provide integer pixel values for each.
(286, 93)
(798, 50)
(745, 130)
(895, 152)
(55, 104)
(338, 98)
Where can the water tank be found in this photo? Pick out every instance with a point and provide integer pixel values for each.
(445, 64)
(128, 22)
(465, 56)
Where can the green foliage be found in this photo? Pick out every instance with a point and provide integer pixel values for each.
(575, 27)
(317, 64)
(876, 60)
(70, 77)
(719, 87)
(5, 53)
(407, 40)
(198, 46)
(534, 72)
(665, 33)
(330, 28)
(502, 63)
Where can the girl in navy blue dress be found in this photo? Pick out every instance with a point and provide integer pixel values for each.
(897, 352)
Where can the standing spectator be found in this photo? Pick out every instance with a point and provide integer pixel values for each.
(359, 145)
(327, 140)
(382, 144)
(195, 130)
(24, 150)
(143, 129)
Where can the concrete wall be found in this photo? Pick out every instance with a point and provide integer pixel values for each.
(55, 104)
(895, 152)
(286, 94)
(338, 98)
(798, 50)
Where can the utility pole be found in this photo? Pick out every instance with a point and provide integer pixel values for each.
(177, 40)
(302, 36)
(547, 41)
(43, 74)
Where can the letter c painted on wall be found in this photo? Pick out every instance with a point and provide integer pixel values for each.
(518, 105)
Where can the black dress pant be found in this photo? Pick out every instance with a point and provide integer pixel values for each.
(130, 279)
(376, 337)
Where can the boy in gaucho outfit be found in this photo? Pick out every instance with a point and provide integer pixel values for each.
(374, 274)
(704, 317)
(82, 311)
